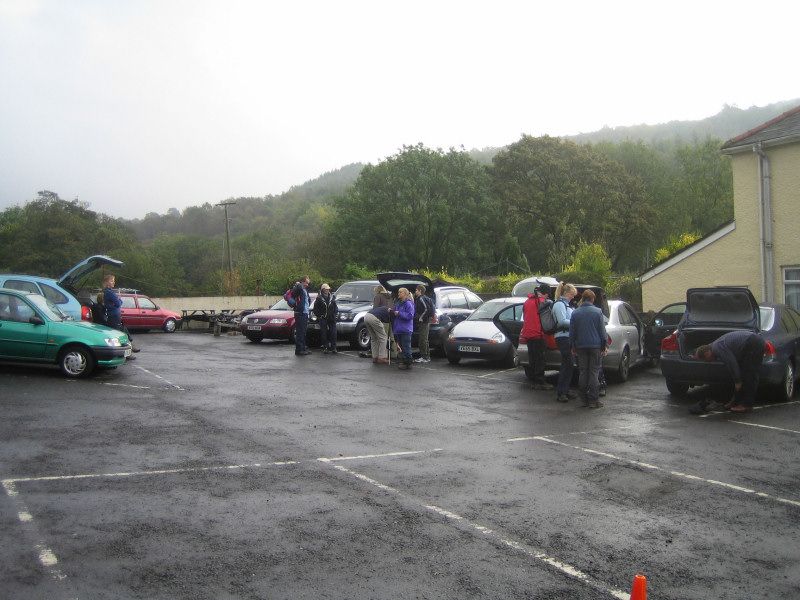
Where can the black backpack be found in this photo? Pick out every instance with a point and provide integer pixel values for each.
(547, 318)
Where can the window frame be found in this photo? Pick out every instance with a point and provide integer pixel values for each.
(794, 283)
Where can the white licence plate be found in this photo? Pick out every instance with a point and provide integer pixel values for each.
(469, 348)
(254, 327)
(127, 353)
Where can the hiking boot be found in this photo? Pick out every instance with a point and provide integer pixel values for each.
(601, 392)
(700, 408)
(597, 404)
(740, 408)
(562, 398)
(571, 395)
(420, 360)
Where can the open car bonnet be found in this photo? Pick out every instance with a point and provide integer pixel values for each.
(83, 269)
(394, 281)
(722, 307)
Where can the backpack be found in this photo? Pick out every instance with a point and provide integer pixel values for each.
(547, 318)
(290, 298)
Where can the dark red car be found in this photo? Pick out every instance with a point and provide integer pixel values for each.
(275, 323)
(140, 312)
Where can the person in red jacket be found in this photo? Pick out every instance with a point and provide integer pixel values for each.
(532, 329)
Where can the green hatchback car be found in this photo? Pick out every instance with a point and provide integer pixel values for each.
(33, 329)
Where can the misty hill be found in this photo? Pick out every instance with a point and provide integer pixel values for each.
(302, 208)
(727, 123)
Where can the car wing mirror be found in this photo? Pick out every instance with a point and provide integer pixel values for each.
(36, 320)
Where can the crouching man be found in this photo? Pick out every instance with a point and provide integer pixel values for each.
(742, 353)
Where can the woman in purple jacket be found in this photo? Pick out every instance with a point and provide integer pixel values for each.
(403, 325)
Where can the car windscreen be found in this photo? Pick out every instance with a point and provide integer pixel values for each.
(281, 305)
(45, 306)
(355, 292)
(767, 317)
(487, 311)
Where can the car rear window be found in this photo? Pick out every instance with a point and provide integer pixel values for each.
(350, 292)
(767, 317)
(128, 302)
(146, 303)
(53, 294)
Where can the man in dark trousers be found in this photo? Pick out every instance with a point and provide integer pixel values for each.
(532, 330)
(423, 306)
(113, 309)
(588, 338)
(301, 309)
(742, 353)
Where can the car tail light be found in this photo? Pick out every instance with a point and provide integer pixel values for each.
(608, 341)
(435, 318)
(670, 343)
(86, 313)
(770, 353)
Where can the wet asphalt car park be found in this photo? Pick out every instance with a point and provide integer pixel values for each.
(212, 467)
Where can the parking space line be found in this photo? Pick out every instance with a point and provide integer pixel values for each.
(498, 372)
(465, 525)
(177, 387)
(765, 426)
(386, 455)
(46, 556)
(678, 474)
(588, 432)
(762, 407)
(138, 387)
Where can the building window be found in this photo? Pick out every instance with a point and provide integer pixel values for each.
(791, 286)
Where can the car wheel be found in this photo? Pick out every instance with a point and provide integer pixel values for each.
(453, 360)
(677, 388)
(786, 389)
(255, 340)
(624, 367)
(360, 339)
(170, 325)
(76, 361)
(512, 359)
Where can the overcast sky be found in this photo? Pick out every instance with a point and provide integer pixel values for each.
(139, 106)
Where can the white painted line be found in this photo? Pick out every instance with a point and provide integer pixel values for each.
(498, 372)
(762, 407)
(388, 454)
(46, 556)
(138, 387)
(765, 426)
(590, 431)
(497, 538)
(177, 387)
(146, 473)
(10, 488)
(673, 473)
(25, 516)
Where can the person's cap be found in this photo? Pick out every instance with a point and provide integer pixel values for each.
(325, 286)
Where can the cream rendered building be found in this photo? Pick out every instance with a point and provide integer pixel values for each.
(760, 248)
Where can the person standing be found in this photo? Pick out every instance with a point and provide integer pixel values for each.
(562, 311)
(403, 325)
(380, 298)
(587, 337)
(325, 309)
(112, 304)
(742, 353)
(532, 330)
(301, 310)
(423, 309)
(376, 320)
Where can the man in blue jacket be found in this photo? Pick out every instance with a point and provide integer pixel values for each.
(302, 307)
(587, 338)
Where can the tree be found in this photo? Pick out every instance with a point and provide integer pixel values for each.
(418, 208)
(556, 193)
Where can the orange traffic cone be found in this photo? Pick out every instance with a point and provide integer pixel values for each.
(639, 591)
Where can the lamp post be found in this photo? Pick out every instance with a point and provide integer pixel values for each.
(225, 205)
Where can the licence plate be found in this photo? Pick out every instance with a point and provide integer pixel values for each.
(127, 353)
(254, 327)
(469, 348)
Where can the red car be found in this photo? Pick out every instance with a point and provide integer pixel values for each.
(275, 323)
(140, 312)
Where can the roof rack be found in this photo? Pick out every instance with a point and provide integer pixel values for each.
(127, 290)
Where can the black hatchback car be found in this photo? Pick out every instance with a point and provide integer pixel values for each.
(713, 312)
(453, 303)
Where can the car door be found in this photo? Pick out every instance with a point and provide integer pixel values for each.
(19, 338)
(509, 321)
(130, 312)
(634, 332)
(148, 313)
(664, 322)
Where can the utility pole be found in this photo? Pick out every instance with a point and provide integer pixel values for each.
(225, 205)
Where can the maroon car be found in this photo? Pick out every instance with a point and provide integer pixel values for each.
(140, 312)
(275, 323)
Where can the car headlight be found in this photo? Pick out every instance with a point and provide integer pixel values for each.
(277, 321)
(451, 336)
(113, 342)
(346, 316)
(498, 338)
(243, 321)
